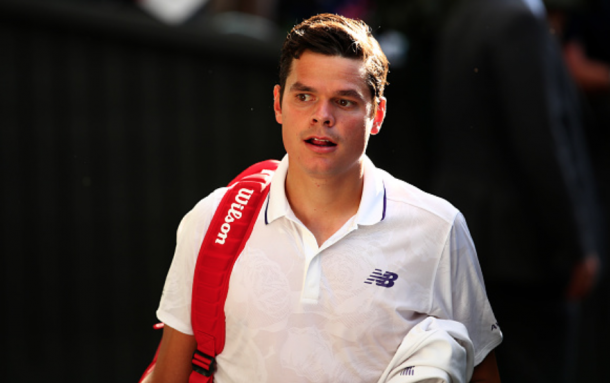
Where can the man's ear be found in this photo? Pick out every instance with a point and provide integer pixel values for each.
(277, 107)
(379, 116)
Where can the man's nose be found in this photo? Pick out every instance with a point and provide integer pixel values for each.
(323, 114)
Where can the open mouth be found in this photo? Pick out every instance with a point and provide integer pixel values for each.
(320, 142)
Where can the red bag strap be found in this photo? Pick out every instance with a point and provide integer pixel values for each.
(225, 239)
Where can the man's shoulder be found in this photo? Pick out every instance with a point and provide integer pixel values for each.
(409, 199)
(205, 208)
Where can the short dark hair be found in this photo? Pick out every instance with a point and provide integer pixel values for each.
(335, 35)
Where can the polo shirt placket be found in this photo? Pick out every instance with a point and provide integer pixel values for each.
(313, 263)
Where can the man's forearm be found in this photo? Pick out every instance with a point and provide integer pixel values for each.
(487, 370)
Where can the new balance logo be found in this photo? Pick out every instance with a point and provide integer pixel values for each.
(494, 326)
(386, 280)
(408, 371)
(241, 200)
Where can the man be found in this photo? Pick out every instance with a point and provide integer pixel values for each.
(299, 308)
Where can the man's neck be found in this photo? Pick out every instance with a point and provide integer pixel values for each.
(324, 205)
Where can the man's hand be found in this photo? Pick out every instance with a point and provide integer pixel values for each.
(593, 76)
(584, 278)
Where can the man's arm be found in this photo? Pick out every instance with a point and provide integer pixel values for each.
(174, 359)
(487, 370)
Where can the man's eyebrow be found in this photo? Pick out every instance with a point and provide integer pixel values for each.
(297, 86)
(350, 93)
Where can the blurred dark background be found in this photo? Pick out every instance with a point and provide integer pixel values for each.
(114, 122)
(113, 126)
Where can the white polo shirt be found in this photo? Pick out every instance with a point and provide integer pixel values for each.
(296, 312)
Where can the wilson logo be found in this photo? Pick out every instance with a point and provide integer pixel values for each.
(234, 213)
(386, 279)
(408, 371)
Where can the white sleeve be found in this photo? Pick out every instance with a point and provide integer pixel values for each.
(460, 290)
(175, 306)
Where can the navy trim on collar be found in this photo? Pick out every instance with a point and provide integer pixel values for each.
(267, 208)
(385, 200)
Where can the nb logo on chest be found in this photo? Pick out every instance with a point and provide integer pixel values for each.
(386, 279)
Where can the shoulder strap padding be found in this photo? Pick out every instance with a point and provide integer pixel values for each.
(225, 238)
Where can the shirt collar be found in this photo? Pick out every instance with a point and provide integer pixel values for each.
(373, 202)
(372, 207)
(277, 203)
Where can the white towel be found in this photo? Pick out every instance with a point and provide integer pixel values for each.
(434, 351)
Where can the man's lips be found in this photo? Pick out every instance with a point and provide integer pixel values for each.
(320, 142)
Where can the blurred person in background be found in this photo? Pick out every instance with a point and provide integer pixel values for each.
(583, 29)
(504, 134)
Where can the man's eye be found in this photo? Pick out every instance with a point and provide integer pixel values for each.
(345, 103)
(304, 97)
